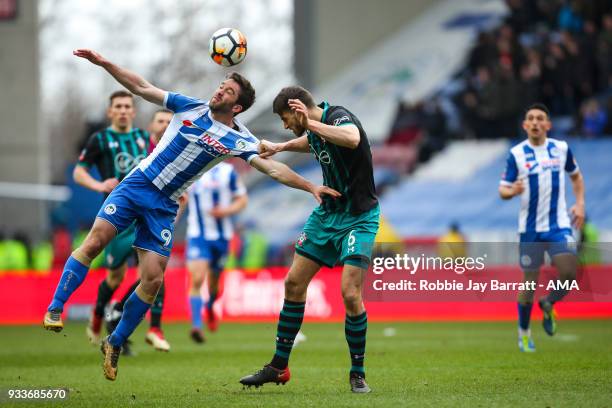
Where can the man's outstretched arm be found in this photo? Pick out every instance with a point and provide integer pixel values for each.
(130, 80)
(283, 174)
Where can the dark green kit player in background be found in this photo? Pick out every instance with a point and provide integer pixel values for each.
(115, 151)
(340, 230)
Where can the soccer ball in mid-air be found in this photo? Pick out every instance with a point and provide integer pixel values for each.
(227, 47)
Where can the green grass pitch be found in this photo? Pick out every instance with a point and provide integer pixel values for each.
(422, 364)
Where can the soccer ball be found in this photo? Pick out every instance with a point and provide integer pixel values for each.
(227, 47)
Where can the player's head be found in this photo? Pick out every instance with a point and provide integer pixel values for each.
(121, 110)
(235, 94)
(159, 123)
(537, 120)
(280, 106)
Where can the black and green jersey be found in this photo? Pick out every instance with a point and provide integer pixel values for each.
(348, 171)
(115, 154)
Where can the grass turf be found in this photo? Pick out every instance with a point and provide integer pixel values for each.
(422, 364)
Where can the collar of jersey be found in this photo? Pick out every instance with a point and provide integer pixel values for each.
(325, 106)
(110, 129)
(223, 125)
(542, 146)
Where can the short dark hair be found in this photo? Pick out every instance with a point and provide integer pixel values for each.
(247, 92)
(119, 94)
(163, 110)
(281, 102)
(538, 106)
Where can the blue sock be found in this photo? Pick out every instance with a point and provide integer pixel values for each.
(196, 311)
(133, 313)
(72, 277)
(524, 315)
(211, 302)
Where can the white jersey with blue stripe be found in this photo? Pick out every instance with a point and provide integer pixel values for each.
(541, 168)
(216, 188)
(193, 143)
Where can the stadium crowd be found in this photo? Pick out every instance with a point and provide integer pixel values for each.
(551, 51)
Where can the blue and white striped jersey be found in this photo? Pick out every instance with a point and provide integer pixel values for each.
(217, 187)
(192, 144)
(541, 168)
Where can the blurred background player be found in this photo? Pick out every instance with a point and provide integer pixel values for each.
(115, 151)
(159, 123)
(340, 230)
(535, 171)
(213, 200)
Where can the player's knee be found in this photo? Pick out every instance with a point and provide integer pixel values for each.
(153, 282)
(351, 297)
(114, 280)
(93, 244)
(196, 282)
(526, 296)
(293, 286)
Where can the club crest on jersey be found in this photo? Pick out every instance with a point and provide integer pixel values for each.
(110, 209)
(241, 144)
(140, 143)
(301, 239)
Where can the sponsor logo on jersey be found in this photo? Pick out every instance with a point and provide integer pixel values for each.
(342, 119)
(551, 164)
(125, 162)
(211, 145)
(322, 157)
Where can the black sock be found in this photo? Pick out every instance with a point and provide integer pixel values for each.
(157, 307)
(289, 323)
(105, 293)
(556, 295)
(355, 328)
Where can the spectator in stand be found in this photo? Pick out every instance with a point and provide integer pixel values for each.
(453, 243)
(608, 128)
(594, 118)
(587, 72)
(483, 52)
(435, 128)
(530, 77)
(569, 17)
(557, 80)
(523, 14)
(604, 53)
